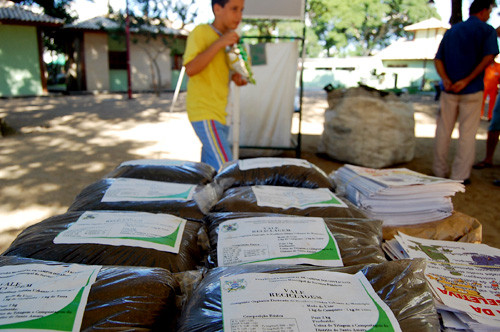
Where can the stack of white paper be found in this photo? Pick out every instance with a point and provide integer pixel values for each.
(464, 279)
(398, 196)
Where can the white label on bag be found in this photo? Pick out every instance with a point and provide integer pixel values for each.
(153, 162)
(253, 163)
(303, 301)
(291, 197)
(40, 297)
(135, 190)
(277, 240)
(162, 232)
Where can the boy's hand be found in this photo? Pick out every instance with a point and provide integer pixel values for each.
(238, 79)
(229, 38)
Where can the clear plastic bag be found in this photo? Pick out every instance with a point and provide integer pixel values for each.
(239, 62)
(126, 298)
(359, 240)
(289, 175)
(177, 171)
(400, 284)
(90, 198)
(243, 199)
(37, 241)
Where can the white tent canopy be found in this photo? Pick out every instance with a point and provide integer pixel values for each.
(275, 9)
(266, 109)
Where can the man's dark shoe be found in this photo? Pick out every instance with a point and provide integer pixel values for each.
(466, 182)
(496, 182)
(482, 164)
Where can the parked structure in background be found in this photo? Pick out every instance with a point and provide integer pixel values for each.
(96, 61)
(97, 56)
(405, 64)
(22, 70)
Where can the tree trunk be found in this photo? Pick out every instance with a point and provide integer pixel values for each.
(456, 12)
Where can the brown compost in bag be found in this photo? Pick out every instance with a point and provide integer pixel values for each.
(91, 198)
(37, 241)
(400, 284)
(125, 298)
(243, 199)
(300, 173)
(169, 171)
(359, 240)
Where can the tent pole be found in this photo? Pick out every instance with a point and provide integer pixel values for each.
(236, 123)
(177, 88)
(298, 150)
(127, 37)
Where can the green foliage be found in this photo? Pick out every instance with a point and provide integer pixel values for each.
(52, 38)
(360, 27)
(55, 8)
(354, 27)
(163, 11)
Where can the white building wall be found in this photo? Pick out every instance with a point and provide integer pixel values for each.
(430, 34)
(344, 72)
(96, 61)
(141, 64)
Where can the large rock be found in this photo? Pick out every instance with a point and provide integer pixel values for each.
(369, 128)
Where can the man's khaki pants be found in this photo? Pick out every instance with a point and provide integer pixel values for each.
(466, 109)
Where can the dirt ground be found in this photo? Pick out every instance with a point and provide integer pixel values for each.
(65, 143)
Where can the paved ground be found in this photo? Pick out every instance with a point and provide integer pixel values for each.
(67, 142)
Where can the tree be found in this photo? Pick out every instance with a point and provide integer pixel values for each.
(456, 12)
(362, 26)
(150, 27)
(53, 40)
(166, 11)
(54, 8)
(355, 27)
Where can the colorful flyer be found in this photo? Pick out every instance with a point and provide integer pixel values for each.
(300, 198)
(304, 301)
(246, 164)
(135, 190)
(471, 289)
(39, 297)
(162, 232)
(277, 240)
(450, 251)
(464, 277)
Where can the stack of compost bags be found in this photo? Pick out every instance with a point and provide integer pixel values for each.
(264, 244)
(41, 296)
(137, 253)
(286, 253)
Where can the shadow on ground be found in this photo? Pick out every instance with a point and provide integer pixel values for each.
(66, 143)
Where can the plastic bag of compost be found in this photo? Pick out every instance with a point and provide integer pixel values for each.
(400, 284)
(358, 240)
(115, 238)
(167, 170)
(289, 172)
(187, 201)
(319, 202)
(120, 298)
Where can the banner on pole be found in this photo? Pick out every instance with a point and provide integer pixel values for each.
(275, 9)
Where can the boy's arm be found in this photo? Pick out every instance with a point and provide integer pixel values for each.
(199, 63)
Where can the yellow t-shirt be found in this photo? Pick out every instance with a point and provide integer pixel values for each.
(207, 91)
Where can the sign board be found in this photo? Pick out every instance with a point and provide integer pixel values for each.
(275, 9)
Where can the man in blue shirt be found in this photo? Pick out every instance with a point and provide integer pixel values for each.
(463, 55)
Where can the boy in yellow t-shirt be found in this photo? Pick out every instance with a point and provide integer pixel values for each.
(208, 86)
